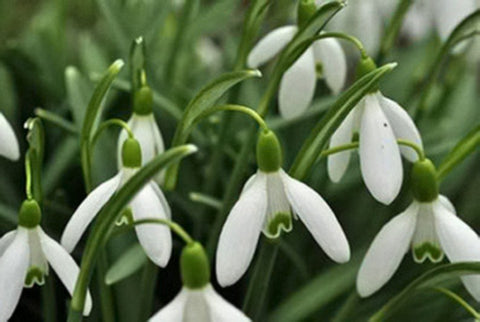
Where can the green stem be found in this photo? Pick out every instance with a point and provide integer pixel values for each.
(460, 301)
(348, 306)
(176, 228)
(205, 200)
(410, 144)
(49, 305)
(148, 282)
(105, 291)
(57, 120)
(28, 177)
(258, 285)
(245, 110)
(355, 41)
(108, 123)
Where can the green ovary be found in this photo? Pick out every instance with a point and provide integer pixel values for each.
(280, 221)
(427, 250)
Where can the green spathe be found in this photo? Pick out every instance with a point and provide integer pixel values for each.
(194, 266)
(131, 153)
(306, 9)
(30, 214)
(143, 101)
(269, 152)
(423, 181)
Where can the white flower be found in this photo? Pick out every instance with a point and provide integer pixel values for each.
(264, 204)
(380, 122)
(429, 228)
(8, 141)
(298, 83)
(24, 257)
(199, 305)
(149, 202)
(146, 131)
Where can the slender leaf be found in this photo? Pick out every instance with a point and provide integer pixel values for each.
(127, 264)
(78, 93)
(320, 135)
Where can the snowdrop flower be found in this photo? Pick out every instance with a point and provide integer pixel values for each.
(264, 205)
(25, 254)
(297, 86)
(148, 203)
(144, 128)
(197, 301)
(380, 122)
(430, 227)
(8, 141)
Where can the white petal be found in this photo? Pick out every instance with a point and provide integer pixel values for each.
(459, 242)
(13, 269)
(240, 233)
(155, 239)
(6, 240)
(173, 311)
(220, 309)
(248, 184)
(87, 210)
(270, 45)
(386, 252)
(449, 13)
(337, 163)
(297, 86)
(196, 308)
(402, 125)
(163, 200)
(64, 265)
(447, 204)
(380, 160)
(8, 141)
(319, 219)
(330, 54)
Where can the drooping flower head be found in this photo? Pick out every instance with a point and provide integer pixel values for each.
(379, 122)
(265, 205)
(430, 227)
(25, 256)
(197, 301)
(324, 58)
(8, 141)
(148, 203)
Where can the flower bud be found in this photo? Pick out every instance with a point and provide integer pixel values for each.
(30, 214)
(143, 101)
(423, 181)
(306, 9)
(269, 153)
(194, 266)
(131, 153)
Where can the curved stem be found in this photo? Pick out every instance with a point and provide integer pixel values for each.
(28, 177)
(245, 110)
(109, 123)
(355, 41)
(176, 228)
(460, 301)
(410, 144)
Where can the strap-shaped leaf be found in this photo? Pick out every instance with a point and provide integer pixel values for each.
(79, 90)
(197, 106)
(463, 149)
(429, 279)
(320, 135)
(109, 214)
(128, 263)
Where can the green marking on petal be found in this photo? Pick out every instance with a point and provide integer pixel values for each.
(319, 69)
(35, 275)
(427, 250)
(281, 221)
(126, 218)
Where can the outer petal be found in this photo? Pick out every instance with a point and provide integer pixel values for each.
(163, 200)
(270, 45)
(87, 210)
(64, 265)
(386, 252)
(330, 54)
(6, 241)
(240, 234)
(155, 239)
(297, 86)
(320, 220)
(221, 310)
(337, 163)
(13, 269)
(402, 125)
(447, 204)
(174, 310)
(380, 160)
(8, 141)
(459, 242)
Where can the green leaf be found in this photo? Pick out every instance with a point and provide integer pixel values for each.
(195, 109)
(320, 135)
(391, 32)
(78, 93)
(430, 278)
(91, 114)
(462, 150)
(128, 263)
(108, 215)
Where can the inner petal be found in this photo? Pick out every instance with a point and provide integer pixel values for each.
(279, 216)
(38, 266)
(425, 243)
